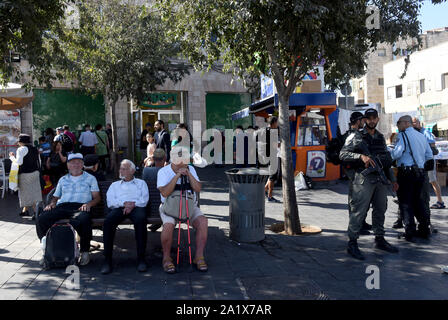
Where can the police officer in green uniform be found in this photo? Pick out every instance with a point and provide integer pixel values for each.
(359, 151)
(356, 126)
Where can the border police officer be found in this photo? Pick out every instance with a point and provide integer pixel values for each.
(360, 150)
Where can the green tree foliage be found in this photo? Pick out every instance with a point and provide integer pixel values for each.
(22, 27)
(287, 37)
(118, 48)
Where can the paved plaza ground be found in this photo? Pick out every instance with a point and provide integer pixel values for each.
(280, 267)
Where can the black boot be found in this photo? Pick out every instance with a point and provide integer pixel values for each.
(366, 226)
(398, 224)
(353, 250)
(382, 244)
(107, 267)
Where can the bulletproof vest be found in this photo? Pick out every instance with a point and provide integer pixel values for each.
(377, 147)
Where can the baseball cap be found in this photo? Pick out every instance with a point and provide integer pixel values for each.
(90, 160)
(73, 156)
(60, 129)
(356, 116)
(371, 113)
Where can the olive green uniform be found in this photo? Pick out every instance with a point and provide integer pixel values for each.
(366, 190)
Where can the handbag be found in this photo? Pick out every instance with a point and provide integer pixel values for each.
(175, 204)
(14, 177)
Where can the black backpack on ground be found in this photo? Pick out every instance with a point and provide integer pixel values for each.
(67, 143)
(61, 249)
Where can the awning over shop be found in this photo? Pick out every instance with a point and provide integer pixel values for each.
(240, 114)
(13, 96)
(296, 100)
(442, 124)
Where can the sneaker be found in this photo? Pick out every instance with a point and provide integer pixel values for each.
(272, 199)
(84, 259)
(353, 250)
(445, 269)
(382, 244)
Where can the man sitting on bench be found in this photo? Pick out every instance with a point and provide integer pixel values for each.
(127, 198)
(75, 194)
(167, 178)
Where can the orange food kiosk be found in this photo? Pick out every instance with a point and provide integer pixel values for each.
(313, 122)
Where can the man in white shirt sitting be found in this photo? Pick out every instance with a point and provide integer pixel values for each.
(167, 179)
(127, 198)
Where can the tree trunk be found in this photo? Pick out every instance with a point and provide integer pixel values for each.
(114, 150)
(291, 211)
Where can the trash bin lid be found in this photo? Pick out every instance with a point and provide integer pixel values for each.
(246, 175)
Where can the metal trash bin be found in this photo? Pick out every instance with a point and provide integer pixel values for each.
(246, 204)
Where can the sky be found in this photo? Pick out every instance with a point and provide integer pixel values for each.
(434, 16)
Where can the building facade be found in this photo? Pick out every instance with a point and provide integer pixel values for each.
(370, 87)
(423, 91)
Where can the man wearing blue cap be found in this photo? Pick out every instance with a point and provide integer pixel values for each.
(359, 151)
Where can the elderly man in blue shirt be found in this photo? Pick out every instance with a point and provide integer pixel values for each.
(432, 175)
(127, 198)
(76, 193)
(411, 152)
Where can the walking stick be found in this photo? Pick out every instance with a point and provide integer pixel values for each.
(188, 225)
(180, 219)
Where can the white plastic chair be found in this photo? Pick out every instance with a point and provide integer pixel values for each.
(4, 178)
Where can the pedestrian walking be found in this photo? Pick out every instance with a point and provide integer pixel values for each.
(88, 140)
(368, 150)
(27, 158)
(101, 146)
(432, 175)
(412, 151)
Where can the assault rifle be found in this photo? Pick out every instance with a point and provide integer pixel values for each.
(379, 168)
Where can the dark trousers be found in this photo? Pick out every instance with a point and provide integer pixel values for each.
(87, 150)
(80, 220)
(114, 218)
(413, 200)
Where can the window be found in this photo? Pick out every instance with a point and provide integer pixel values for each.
(444, 81)
(381, 52)
(391, 93)
(398, 91)
(381, 81)
(422, 85)
(409, 89)
(312, 130)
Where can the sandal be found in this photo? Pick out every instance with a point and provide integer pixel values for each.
(200, 264)
(168, 266)
(438, 205)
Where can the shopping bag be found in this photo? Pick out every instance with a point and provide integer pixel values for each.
(299, 182)
(14, 176)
